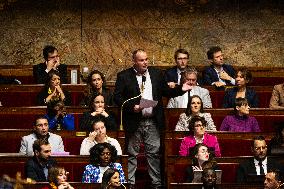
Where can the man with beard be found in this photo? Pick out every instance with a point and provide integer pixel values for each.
(257, 166)
(37, 167)
(209, 179)
(41, 132)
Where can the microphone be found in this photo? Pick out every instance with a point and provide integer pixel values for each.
(141, 92)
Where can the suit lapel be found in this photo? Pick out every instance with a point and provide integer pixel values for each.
(154, 82)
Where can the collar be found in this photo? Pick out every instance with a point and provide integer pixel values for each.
(264, 162)
(139, 74)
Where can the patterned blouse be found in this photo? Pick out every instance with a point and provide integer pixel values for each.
(92, 173)
(183, 122)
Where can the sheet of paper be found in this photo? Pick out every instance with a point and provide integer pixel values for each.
(145, 103)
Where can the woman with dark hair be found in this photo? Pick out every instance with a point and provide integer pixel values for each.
(111, 180)
(201, 158)
(58, 118)
(198, 135)
(241, 121)
(57, 177)
(243, 78)
(96, 85)
(53, 91)
(102, 157)
(276, 145)
(194, 108)
(97, 107)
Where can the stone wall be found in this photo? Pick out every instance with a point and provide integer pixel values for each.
(102, 34)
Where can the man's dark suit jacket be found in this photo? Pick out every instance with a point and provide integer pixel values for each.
(171, 75)
(40, 75)
(34, 170)
(126, 87)
(248, 168)
(210, 75)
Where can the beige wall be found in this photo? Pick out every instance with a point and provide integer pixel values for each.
(99, 33)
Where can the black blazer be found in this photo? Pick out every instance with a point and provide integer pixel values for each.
(248, 168)
(40, 75)
(171, 75)
(34, 170)
(210, 75)
(126, 87)
(230, 97)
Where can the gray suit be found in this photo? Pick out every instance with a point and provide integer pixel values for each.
(27, 144)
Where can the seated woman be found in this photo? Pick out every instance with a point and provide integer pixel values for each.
(277, 97)
(53, 91)
(102, 157)
(189, 75)
(276, 145)
(241, 121)
(96, 85)
(243, 78)
(201, 158)
(197, 126)
(98, 135)
(58, 118)
(97, 107)
(57, 177)
(194, 107)
(111, 180)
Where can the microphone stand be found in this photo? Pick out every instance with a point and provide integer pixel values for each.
(121, 109)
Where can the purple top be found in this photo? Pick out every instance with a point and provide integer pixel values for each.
(238, 123)
(189, 142)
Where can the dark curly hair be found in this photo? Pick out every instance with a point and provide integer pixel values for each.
(92, 98)
(188, 111)
(246, 74)
(195, 119)
(97, 150)
(89, 78)
(51, 73)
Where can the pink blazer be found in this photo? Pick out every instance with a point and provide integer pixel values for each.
(189, 142)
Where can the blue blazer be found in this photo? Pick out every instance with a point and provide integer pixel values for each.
(230, 97)
(210, 75)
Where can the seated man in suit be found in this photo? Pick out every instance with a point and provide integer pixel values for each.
(173, 74)
(218, 73)
(52, 62)
(258, 165)
(272, 180)
(41, 132)
(37, 167)
(189, 75)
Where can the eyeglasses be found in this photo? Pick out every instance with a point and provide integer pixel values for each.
(199, 125)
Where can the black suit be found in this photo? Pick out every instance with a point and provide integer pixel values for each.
(210, 75)
(34, 170)
(126, 87)
(137, 130)
(248, 168)
(40, 75)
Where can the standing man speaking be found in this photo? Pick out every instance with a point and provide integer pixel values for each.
(143, 124)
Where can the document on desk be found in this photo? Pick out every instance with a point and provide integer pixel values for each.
(145, 103)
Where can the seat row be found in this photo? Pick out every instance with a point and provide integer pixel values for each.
(25, 95)
(23, 117)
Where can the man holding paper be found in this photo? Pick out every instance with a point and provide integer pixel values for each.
(143, 120)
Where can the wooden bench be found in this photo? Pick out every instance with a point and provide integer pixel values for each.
(10, 139)
(226, 141)
(268, 119)
(25, 95)
(220, 186)
(176, 168)
(24, 73)
(10, 164)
